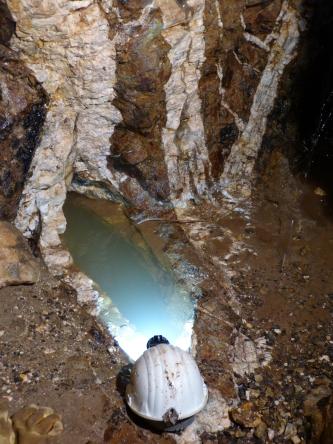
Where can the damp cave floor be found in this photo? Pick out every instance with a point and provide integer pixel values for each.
(53, 353)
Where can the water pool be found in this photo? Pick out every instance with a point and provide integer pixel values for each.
(141, 297)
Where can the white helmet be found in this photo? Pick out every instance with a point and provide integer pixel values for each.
(166, 381)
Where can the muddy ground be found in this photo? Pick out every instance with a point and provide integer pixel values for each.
(282, 276)
(264, 337)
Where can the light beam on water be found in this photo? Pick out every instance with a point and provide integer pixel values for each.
(146, 299)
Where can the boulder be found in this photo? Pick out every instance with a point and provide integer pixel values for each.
(17, 264)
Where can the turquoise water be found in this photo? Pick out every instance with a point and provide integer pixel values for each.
(143, 291)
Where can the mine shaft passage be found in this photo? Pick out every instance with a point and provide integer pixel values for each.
(140, 294)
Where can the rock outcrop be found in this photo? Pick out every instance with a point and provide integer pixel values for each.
(22, 113)
(17, 264)
(145, 103)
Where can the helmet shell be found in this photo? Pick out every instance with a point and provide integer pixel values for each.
(163, 378)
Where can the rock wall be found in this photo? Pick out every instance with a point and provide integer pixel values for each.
(151, 102)
(280, 45)
(22, 112)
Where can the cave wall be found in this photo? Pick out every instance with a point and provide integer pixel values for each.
(300, 124)
(22, 111)
(155, 103)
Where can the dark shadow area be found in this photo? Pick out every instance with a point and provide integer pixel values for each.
(301, 122)
(314, 111)
(7, 23)
(123, 378)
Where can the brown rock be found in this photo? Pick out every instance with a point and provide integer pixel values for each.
(245, 415)
(260, 17)
(7, 24)
(318, 407)
(261, 431)
(142, 71)
(22, 113)
(17, 264)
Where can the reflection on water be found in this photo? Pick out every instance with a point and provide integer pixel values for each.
(143, 298)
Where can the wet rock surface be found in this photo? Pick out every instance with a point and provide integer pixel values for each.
(152, 103)
(262, 332)
(143, 69)
(281, 271)
(263, 329)
(193, 98)
(22, 113)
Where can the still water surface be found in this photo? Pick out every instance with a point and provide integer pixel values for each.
(141, 296)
